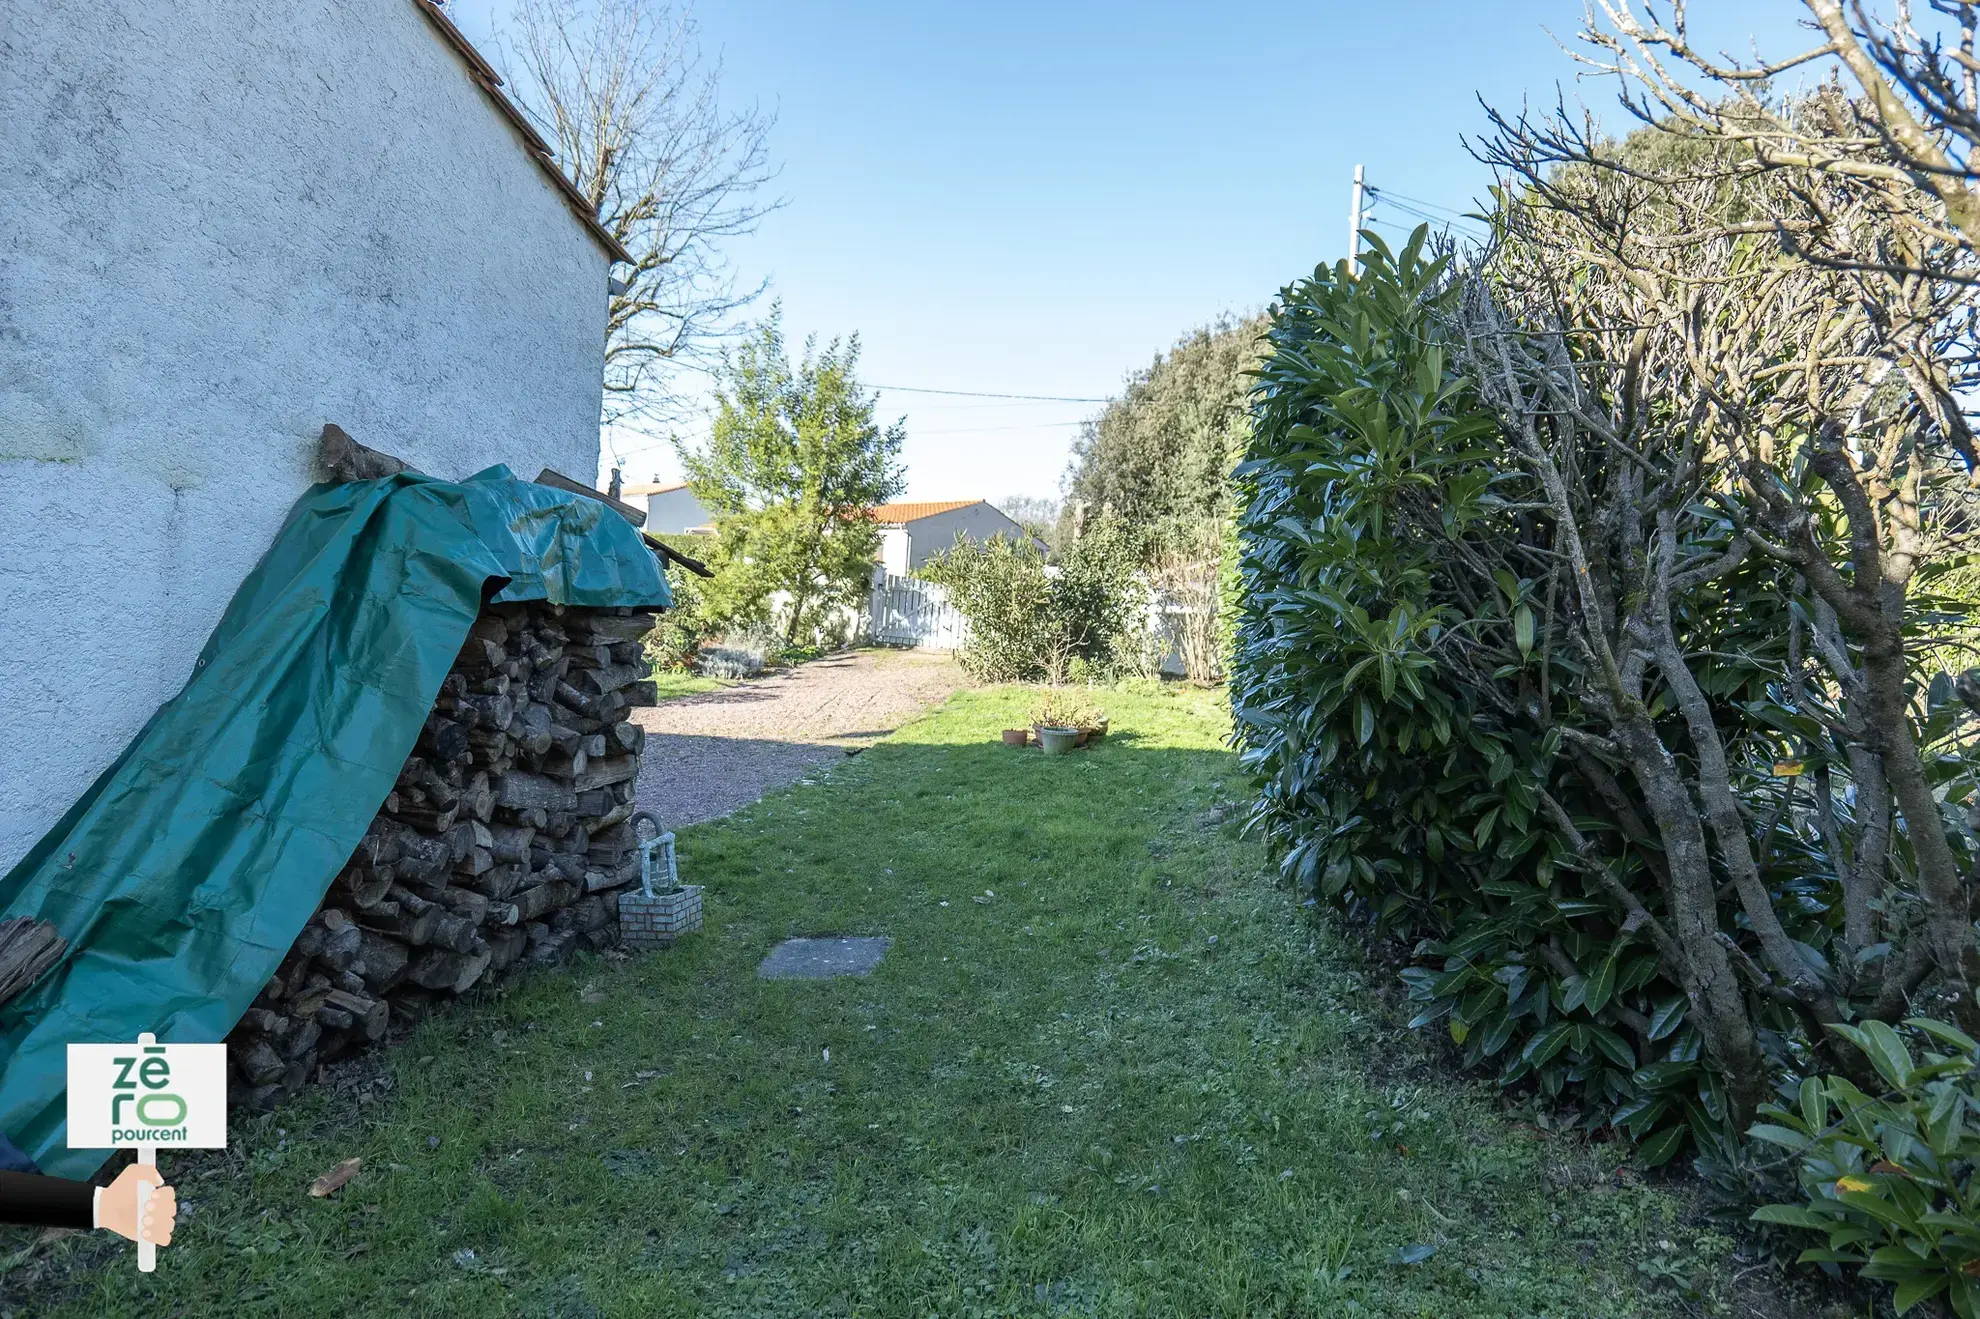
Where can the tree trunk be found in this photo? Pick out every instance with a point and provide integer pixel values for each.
(1707, 973)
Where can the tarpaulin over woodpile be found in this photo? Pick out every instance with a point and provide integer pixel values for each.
(190, 866)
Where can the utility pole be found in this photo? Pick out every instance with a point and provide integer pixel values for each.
(1354, 221)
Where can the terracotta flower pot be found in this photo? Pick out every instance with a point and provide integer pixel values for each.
(1017, 737)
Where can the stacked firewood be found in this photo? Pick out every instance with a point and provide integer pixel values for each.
(504, 843)
(27, 948)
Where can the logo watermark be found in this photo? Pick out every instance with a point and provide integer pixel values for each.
(145, 1095)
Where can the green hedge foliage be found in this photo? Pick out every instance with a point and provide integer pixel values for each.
(1386, 654)
(1888, 1179)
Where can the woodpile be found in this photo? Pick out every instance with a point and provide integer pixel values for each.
(503, 844)
(27, 948)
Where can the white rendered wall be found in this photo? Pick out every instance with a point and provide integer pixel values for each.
(974, 522)
(674, 511)
(221, 225)
(894, 544)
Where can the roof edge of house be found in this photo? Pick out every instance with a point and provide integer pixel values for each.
(538, 150)
(934, 507)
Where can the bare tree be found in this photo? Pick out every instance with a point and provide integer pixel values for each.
(1712, 356)
(1916, 121)
(632, 106)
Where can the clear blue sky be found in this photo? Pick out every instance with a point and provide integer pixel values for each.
(1037, 198)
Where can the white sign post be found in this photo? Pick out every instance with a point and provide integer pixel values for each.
(144, 1095)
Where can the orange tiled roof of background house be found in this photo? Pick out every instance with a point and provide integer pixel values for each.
(914, 511)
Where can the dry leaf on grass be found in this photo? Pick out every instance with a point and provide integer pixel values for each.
(335, 1178)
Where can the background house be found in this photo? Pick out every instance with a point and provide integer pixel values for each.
(670, 509)
(903, 610)
(225, 225)
(912, 533)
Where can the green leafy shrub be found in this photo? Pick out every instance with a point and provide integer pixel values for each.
(1412, 687)
(1158, 455)
(1033, 620)
(1001, 589)
(1889, 1179)
(680, 633)
(1588, 644)
(1393, 788)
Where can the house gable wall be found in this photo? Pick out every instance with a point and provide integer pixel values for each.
(975, 522)
(674, 511)
(226, 224)
(894, 546)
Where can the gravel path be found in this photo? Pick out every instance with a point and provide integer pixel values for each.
(708, 754)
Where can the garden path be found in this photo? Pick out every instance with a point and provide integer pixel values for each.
(709, 753)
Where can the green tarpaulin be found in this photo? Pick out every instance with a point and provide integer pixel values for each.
(189, 867)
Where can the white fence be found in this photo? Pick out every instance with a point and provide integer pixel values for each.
(906, 611)
(1170, 624)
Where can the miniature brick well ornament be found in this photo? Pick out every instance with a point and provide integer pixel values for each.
(663, 909)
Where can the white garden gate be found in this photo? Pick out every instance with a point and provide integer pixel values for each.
(906, 611)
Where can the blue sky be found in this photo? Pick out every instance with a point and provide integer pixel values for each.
(1035, 198)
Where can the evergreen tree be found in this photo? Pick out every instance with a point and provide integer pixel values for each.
(1159, 456)
(790, 472)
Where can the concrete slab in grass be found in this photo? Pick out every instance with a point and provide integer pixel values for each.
(821, 959)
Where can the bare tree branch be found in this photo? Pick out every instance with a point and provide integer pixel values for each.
(624, 92)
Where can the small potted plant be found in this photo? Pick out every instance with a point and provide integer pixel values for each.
(1062, 722)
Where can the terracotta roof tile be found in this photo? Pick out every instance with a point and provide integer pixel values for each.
(894, 515)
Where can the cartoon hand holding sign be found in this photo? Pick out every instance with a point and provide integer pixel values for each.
(143, 1096)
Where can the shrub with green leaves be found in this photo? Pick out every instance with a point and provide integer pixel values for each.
(1412, 685)
(1392, 786)
(682, 630)
(1889, 1179)
(1033, 620)
(1588, 640)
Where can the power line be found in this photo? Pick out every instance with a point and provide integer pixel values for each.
(1399, 231)
(1414, 213)
(975, 408)
(1418, 201)
(1434, 222)
(1417, 208)
(984, 430)
(971, 393)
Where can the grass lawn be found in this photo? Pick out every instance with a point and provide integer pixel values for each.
(674, 682)
(1107, 1068)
